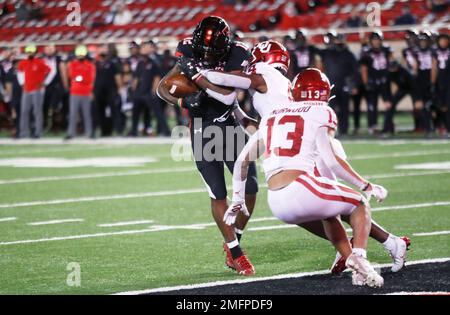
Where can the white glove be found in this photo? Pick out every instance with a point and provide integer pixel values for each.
(379, 192)
(236, 206)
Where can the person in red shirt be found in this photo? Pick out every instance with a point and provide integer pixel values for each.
(33, 74)
(81, 73)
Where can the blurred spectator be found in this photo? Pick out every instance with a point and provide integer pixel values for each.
(407, 18)
(341, 67)
(425, 79)
(135, 56)
(81, 73)
(442, 55)
(33, 75)
(304, 55)
(375, 59)
(54, 92)
(409, 63)
(14, 93)
(119, 15)
(438, 6)
(401, 78)
(146, 80)
(106, 92)
(355, 19)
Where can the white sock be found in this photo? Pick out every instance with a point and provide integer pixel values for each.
(236, 230)
(233, 244)
(360, 252)
(389, 244)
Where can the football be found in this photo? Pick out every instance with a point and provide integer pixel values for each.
(179, 85)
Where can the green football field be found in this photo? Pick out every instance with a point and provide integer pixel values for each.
(132, 218)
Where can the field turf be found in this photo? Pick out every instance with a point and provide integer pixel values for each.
(174, 241)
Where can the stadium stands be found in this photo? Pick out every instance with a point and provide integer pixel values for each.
(177, 17)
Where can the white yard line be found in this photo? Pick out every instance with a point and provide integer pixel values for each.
(195, 226)
(272, 227)
(8, 219)
(397, 154)
(100, 198)
(55, 222)
(432, 233)
(125, 223)
(257, 279)
(94, 142)
(180, 170)
(97, 175)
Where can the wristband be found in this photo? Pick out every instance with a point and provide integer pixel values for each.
(364, 188)
(180, 102)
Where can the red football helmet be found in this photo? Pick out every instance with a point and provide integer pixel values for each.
(272, 53)
(311, 85)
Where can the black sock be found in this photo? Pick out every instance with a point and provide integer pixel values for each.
(236, 252)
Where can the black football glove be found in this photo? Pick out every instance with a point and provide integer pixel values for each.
(192, 101)
(189, 67)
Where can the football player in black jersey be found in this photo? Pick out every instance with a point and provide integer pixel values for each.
(442, 54)
(212, 48)
(409, 63)
(425, 79)
(375, 59)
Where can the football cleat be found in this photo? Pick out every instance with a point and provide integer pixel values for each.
(338, 264)
(398, 253)
(243, 266)
(363, 272)
(229, 258)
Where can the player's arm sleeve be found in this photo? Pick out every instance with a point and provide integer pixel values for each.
(337, 165)
(251, 151)
(227, 99)
(227, 79)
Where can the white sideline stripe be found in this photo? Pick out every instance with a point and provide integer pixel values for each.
(397, 154)
(124, 223)
(97, 175)
(193, 226)
(55, 222)
(432, 233)
(8, 219)
(419, 293)
(256, 279)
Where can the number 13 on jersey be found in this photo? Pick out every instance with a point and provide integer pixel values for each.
(295, 136)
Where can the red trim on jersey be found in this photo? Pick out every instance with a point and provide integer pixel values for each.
(328, 186)
(178, 54)
(354, 202)
(316, 172)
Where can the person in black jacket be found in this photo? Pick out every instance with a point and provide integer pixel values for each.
(400, 76)
(375, 60)
(340, 65)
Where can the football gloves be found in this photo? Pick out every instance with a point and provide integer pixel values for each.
(189, 67)
(379, 192)
(236, 206)
(191, 101)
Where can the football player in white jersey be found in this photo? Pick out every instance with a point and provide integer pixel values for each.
(266, 81)
(293, 136)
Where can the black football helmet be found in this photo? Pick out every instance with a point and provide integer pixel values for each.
(211, 40)
(411, 37)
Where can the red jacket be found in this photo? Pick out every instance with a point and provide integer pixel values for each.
(35, 71)
(82, 77)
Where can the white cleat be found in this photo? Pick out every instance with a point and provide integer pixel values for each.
(363, 272)
(398, 253)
